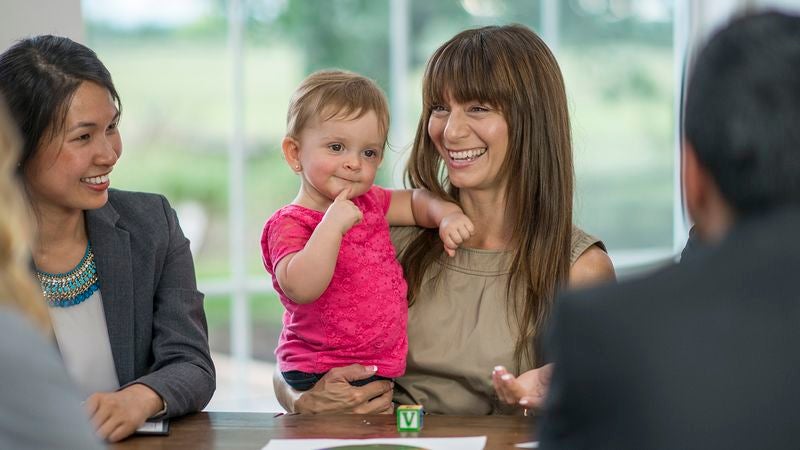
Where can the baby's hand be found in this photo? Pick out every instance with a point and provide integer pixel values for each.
(342, 214)
(454, 229)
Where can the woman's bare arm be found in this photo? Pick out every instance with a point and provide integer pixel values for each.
(591, 268)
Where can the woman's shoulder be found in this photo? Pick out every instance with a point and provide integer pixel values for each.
(137, 212)
(37, 390)
(130, 201)
(589, 260)
(581, 242)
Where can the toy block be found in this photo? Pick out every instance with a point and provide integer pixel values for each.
(409, 418)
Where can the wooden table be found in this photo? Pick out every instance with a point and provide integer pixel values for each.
(221, 430)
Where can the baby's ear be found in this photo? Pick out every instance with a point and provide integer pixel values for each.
(291, 153)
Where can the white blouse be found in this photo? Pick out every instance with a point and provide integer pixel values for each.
(82, 337)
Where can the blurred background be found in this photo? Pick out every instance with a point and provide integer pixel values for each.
(205, 85)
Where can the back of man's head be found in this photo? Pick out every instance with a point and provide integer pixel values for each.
(743, 111)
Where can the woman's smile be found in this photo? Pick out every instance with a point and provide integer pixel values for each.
(463, 159)
(472, 138)
(97, 183)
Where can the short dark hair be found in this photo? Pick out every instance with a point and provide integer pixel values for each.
(743, 111)
(38, 78)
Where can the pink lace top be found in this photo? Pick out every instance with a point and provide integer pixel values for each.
(361, 317)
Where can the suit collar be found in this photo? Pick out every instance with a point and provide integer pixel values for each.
(112, 249)
(106, 216)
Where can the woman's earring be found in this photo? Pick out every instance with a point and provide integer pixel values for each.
(297, 167)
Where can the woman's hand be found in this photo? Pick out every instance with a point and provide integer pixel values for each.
(116, 415)
(527, 390)
(334, 394)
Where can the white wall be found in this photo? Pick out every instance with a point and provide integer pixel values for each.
(21, 18)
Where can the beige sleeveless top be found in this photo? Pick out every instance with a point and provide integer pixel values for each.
(458, 330)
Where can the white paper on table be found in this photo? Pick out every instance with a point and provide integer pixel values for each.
(463, 443)
(531, 444)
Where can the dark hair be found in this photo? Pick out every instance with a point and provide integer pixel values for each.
(743, 111)
(512, 69)
(38, 78)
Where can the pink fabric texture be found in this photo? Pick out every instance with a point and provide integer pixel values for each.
(361, 317)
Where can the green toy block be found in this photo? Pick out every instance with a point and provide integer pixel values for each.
(409, 418)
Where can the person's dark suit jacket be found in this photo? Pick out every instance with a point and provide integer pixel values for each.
(154, 312)
(694, 246)
(702, 355)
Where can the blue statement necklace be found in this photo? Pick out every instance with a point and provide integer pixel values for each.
(73, 287)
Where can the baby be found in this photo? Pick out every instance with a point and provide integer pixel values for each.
(329, 252)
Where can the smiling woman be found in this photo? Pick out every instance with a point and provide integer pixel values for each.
(114, 266)
(71, 172)
(495, 117)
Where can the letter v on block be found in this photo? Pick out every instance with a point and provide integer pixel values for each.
(409, 419)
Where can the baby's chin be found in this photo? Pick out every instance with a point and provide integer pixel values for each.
(355, 191)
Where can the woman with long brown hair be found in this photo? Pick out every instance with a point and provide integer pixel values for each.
(494, 137)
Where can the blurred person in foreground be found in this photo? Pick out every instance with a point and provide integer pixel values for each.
(114, 266)
(704, 354)
(39, 405)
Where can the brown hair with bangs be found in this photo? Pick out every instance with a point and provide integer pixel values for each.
(328, 94)
(512, 69)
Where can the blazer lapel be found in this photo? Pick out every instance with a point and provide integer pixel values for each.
(112, 252)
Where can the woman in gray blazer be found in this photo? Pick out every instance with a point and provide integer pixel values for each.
(114, 266)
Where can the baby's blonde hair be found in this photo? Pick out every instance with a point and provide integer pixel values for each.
(18, 289)
(328, 94)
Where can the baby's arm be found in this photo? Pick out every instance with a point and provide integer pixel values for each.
(420, 207)
(303, 276)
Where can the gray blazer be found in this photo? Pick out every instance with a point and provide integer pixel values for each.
(39, 405)
(154, 312)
